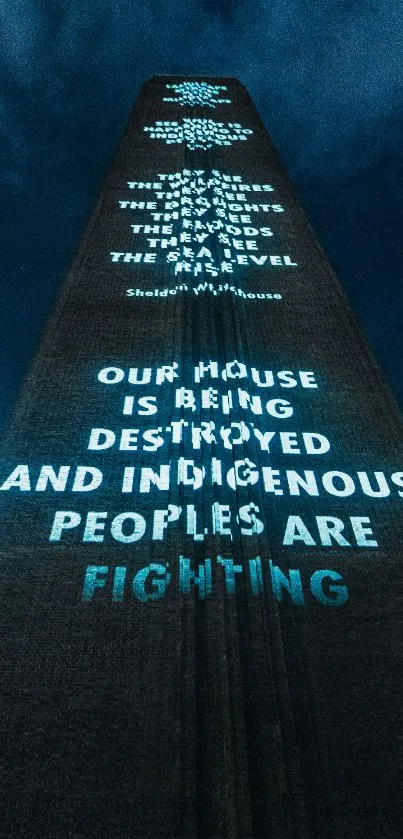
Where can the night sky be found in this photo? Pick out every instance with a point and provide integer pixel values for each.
(325, 77)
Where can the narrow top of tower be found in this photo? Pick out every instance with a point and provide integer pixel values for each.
(177, 79)
(193, 91)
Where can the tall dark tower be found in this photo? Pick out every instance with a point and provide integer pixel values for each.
(201, 518)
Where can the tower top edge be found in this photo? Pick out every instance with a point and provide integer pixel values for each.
(189, 77)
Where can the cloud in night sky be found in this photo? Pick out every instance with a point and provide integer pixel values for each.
(324, 76)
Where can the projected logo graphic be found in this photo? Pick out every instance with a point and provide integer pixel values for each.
(202, 223)
(196, 93)
(198, 133)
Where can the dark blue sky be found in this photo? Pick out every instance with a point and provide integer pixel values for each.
(325, 77)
